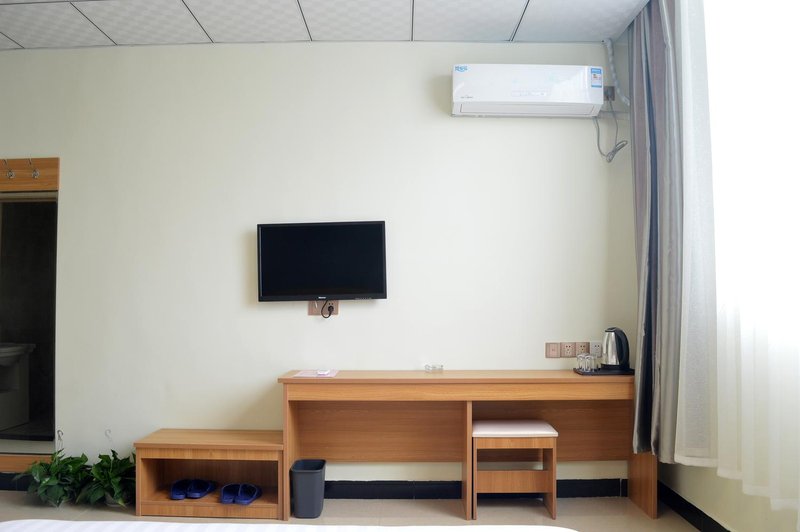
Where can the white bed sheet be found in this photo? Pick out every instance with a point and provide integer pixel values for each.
(48, 525)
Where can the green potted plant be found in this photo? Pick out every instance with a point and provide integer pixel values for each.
(57, 480)
(112, 478)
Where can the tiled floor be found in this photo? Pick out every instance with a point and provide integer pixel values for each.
(586, 515)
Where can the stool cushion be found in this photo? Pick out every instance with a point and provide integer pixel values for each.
(512, 428)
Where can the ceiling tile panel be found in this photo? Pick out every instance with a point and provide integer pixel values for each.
(65, 24)
(358, 20)
(576, 20)
(250, 20)
(6, 43)
(56, 25)
(144, 21)
(466, 20)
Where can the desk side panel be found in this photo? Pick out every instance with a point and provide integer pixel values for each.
(351, 431)
(289, 455)
(642, 482)
(466, 464)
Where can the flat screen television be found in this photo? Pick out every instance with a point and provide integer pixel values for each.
(317, 261)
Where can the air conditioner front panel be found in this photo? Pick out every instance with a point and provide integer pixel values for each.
(527, 90)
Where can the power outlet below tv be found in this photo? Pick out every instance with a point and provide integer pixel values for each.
(320, 308)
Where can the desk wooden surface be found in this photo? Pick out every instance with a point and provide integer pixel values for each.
(466, 376)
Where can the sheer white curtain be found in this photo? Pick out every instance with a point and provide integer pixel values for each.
(695, 442)
(758, 236)
(754, 404)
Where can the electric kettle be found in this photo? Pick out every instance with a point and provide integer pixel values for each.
(615, 349)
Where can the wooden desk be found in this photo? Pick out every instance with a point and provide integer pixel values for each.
(414, 416)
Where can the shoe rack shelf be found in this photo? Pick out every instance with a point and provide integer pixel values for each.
(221, 456)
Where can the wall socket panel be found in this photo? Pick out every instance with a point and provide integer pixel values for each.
(581, 348)
(552, 350)
(567, 349)
(595, 347)
(314, 307)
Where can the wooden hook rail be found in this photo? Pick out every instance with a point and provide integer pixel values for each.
(29, 175)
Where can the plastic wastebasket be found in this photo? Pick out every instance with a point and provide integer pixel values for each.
(308, 488)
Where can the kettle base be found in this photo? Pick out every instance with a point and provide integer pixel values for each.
(604, 371)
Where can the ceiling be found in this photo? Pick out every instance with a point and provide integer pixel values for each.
(63, 24)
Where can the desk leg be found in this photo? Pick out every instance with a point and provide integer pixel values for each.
(289, 454)
(467, 495)
(642, 482)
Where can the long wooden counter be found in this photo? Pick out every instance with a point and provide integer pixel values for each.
(414, 416)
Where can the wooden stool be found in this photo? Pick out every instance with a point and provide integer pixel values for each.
(515, 434)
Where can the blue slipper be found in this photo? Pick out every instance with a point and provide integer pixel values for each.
(229, 493)
(178, 489)
(199, 488)
(247, 494)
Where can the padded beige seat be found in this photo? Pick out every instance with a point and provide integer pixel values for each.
(521, 434)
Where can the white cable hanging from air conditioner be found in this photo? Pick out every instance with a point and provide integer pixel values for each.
(618, 144)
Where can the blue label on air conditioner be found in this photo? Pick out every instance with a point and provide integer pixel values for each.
(461, 68)
(597, 77)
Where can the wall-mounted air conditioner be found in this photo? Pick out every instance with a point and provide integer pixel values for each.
(527, 90)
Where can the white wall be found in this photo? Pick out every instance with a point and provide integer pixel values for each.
(501, 233)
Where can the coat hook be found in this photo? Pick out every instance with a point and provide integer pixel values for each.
(35, 173)
(10, 172)
(109, 438)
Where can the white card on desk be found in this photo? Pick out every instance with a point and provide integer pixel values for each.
(321, 373)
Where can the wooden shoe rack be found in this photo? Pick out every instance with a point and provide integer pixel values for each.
(221, 456)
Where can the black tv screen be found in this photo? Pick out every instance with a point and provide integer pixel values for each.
(308, 261)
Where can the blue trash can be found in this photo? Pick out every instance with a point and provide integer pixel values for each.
(308, 488)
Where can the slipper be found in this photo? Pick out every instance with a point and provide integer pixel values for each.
(229, 493)
(247, 494)
(178, 489)
(199, 488)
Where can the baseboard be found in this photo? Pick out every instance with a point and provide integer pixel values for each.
(7, 482)
(392, 489)
(691, 513)
(402, 489)
(601, 487)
